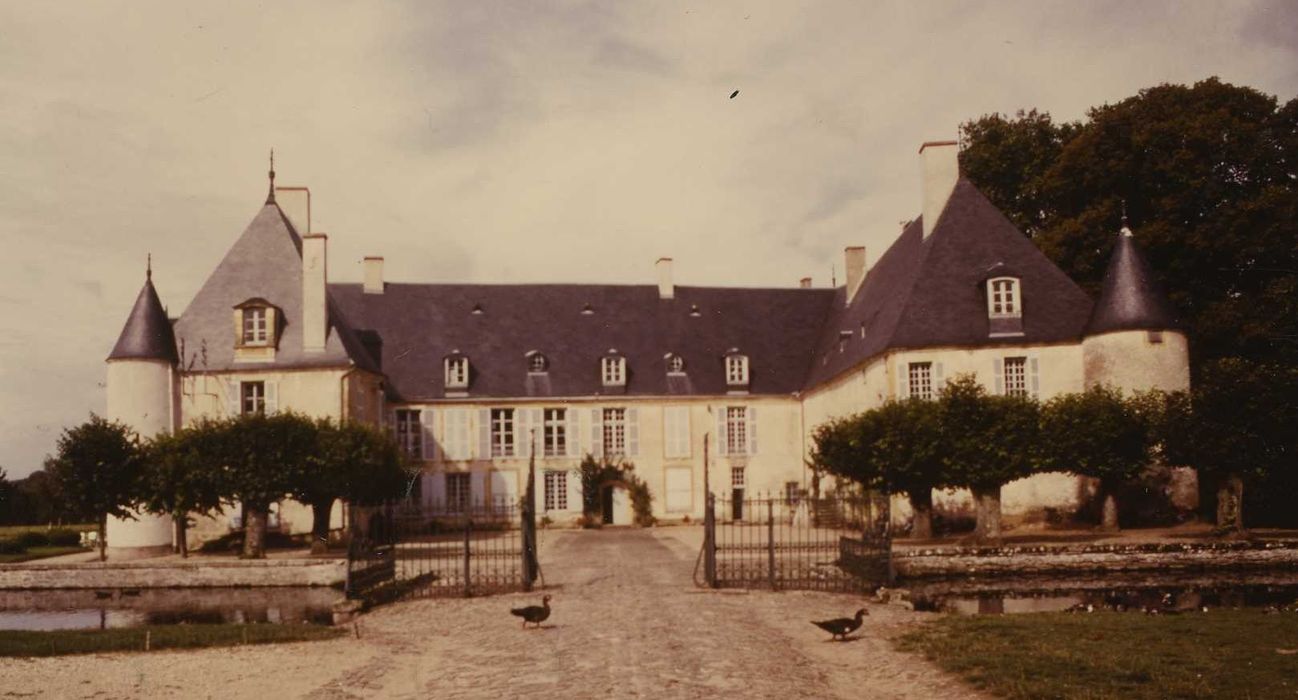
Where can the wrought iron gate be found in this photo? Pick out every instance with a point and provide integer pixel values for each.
(837, 543)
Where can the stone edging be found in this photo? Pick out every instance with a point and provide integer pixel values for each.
(144, 574)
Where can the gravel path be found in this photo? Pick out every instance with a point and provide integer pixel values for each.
(627, 622)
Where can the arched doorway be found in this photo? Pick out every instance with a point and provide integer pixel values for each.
(615, 504)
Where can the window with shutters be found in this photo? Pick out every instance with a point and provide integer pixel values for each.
(502, 432)
(410, 433)
(537, 364)
(1016, 376)
(920, 380)
(556, 490)
(457, 372)
(1003, 298)
(252, 397)
(675, 364)
(613, 370)
(736, 430)
(614, 431)
(555, 432)
(458, 492)
(676, 431)
(737, 370)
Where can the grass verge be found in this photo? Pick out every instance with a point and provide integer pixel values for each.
(61, 642)
(39, 553)
(1222, 653)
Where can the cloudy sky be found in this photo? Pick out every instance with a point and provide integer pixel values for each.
(514, 142)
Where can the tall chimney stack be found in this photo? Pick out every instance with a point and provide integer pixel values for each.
(940, 162)
(854, 264)
(315, 319)
(373, 275)
(666, 289)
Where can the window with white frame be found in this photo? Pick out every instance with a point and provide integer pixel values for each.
(1016, 376)
(459, 493)
(1003, 298)
(920, 380)
(457, 372)
(537, 363)
(792, 492)
(676, 431)
(555, 432)
(736, 430)
(614, 431)
(556, 490)
(502, 432)
(613, 370)
(737, 477)
(410, 432)
(737, 370)
(675, 364)
(252, 397)
(255, 326)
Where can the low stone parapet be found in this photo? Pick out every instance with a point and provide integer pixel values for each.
(1109, 558)
(176, 574)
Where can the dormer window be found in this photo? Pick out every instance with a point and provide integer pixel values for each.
(675, 364)
(736, 370)
(1003, 298)
(255, 327)
(457, 371)
(537, 364)
(613, 369)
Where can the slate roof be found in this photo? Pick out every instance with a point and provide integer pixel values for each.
(147, 334)
(927, 292)
(420, 324)
(1130, 298)
(265, 262)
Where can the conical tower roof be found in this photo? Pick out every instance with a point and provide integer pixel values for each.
(147, 334)
(1131, 298)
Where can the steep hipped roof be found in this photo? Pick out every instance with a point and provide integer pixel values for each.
(265, 262)
(420, 324)
(931, 291)
(147, 334)
(1130, 298)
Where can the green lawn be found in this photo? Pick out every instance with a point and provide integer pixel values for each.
(39, 553)
(60, 642)
(1220, 654)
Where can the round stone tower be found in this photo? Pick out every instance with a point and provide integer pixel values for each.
(1132, 341)
(141, 393)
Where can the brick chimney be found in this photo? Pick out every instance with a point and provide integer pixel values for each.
(666, 289)
(315, 318)
(373, 275)
(854, 264)
(940, 164)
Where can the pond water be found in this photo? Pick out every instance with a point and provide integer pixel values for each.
(1173, 594)
(113, 608)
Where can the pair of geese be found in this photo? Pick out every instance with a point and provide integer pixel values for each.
(838, 627)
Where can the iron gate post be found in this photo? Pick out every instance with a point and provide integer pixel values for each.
(710, 541)
(468, 528)
(770, 541)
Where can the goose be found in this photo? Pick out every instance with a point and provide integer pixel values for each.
(842, 626)
(535, 614)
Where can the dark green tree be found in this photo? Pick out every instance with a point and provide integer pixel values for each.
(178, 478)
(352, 461)
(1101, 434)
(987, 442)
(97, 469)
(1009, 158)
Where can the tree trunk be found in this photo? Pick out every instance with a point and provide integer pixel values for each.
(1230, 504)
(987, 502)
(182, 535)
(1109, 507)
(103, 542)
(921, 504)
(254, 532)
(320, 511)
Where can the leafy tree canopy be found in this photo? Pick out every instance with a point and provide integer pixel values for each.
(1097, 433)
(97, 468)
(987, 441)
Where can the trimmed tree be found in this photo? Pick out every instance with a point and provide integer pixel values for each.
(1100, 434)
(987, 442)
(353, 461)
(97, 469)
(177, 479)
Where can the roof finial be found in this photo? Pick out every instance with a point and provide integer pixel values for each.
(148, 267)
(270, 198)
(1125, 230)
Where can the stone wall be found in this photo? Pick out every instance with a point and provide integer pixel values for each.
(153, 574)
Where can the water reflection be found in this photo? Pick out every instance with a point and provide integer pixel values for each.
(116, 608)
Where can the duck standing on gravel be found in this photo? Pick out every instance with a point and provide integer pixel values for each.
(842, 626)
(535, 614)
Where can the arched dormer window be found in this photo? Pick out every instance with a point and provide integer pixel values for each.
(537, 363)
(675, 364)
(1003, 298)
(736, 369)
(456, 366)
(255, 323)
(612, 369)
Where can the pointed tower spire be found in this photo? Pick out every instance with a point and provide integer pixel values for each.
(148, 268)
(147, 334)
(1130, 298)
(270, 197)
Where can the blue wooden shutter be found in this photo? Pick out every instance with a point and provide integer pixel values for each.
(572, 432)
(721, 431)
(484, 433)
(752, 429)
(232, 398)
(1000, 375)
(272, 397)
(632, 432)
(426, 434)
(1036, 377)
(596, 433)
